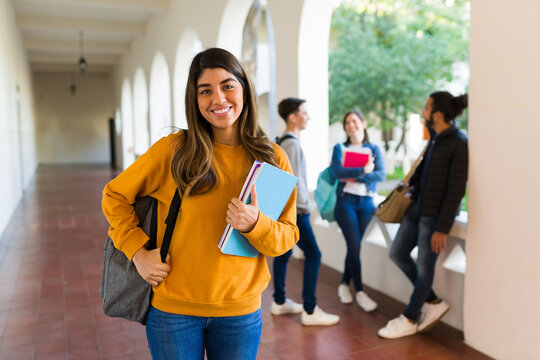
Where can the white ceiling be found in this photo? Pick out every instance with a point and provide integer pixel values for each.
(50, 30)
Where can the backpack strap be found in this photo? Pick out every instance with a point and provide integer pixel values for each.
(415, 165)
(153, 225)
(279, 140)
(170, 221)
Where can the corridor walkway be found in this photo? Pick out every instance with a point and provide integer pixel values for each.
(50, 262)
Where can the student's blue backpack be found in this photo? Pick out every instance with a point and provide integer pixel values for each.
(326, 194)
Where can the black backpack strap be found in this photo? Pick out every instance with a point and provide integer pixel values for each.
(153, 226)
(279, 140)
(170, 221)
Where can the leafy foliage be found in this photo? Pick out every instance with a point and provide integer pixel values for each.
(386, 56)
(398, 174)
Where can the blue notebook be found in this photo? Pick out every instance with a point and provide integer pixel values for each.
(274, 188)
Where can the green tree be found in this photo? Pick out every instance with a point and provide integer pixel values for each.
(387, 56)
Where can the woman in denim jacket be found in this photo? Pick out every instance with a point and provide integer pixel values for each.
(355, 207)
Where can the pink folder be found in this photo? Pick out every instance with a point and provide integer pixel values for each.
(355, 158)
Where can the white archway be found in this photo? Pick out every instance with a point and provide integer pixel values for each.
(160, 98)
(231, 26)
(302, 70)
(140, 113)
(128, 155)
(188, 46)
(313, 43)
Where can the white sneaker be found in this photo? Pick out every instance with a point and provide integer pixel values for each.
(319, 317)
(431, 313)
(344, 294)
(365, 302)
(397, 328)
(288, 307)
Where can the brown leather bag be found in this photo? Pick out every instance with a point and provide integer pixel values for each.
(394, 207)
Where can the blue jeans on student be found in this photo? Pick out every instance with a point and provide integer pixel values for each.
(416, 230)
(173, 336)
(312, 255)
(353, 214)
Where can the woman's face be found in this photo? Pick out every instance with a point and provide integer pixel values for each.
(354, 125)
(220, 98)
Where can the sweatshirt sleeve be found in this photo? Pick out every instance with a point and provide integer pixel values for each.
(274, 238)
(142, 178)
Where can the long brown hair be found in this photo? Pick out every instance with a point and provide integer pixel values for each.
(191, 166)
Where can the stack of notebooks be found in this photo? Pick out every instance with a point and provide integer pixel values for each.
(274, 188)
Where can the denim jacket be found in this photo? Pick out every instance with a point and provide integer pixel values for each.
(371, 179)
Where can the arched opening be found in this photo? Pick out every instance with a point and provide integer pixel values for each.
(232, 25)
(302, 71)
(160, 99)
(140, 114)
(188, 46)
(388, 57)
(128, 155)
(380, 54)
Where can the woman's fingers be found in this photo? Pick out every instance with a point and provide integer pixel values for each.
(157, 280)
(232, 211)
(164, 267)
(150, 267)
(236, 204)
(243, 216)
(161, 274)
(254, 201)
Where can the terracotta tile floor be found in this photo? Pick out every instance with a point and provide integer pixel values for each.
(50, 261)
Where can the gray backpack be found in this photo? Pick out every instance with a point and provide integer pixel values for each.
(124, 292)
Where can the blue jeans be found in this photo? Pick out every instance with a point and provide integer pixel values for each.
(416, 230)
(353, 214)
(172, 336)
(312, 255)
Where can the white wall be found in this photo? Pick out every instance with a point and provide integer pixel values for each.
(502, 285)
(73, 129)
(17, 150)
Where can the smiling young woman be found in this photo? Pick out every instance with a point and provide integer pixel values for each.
(204, 301)
(354, 206)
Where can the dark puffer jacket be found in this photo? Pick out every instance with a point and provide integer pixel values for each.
(446, 178)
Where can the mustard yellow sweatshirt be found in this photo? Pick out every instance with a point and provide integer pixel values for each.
(202, 280)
